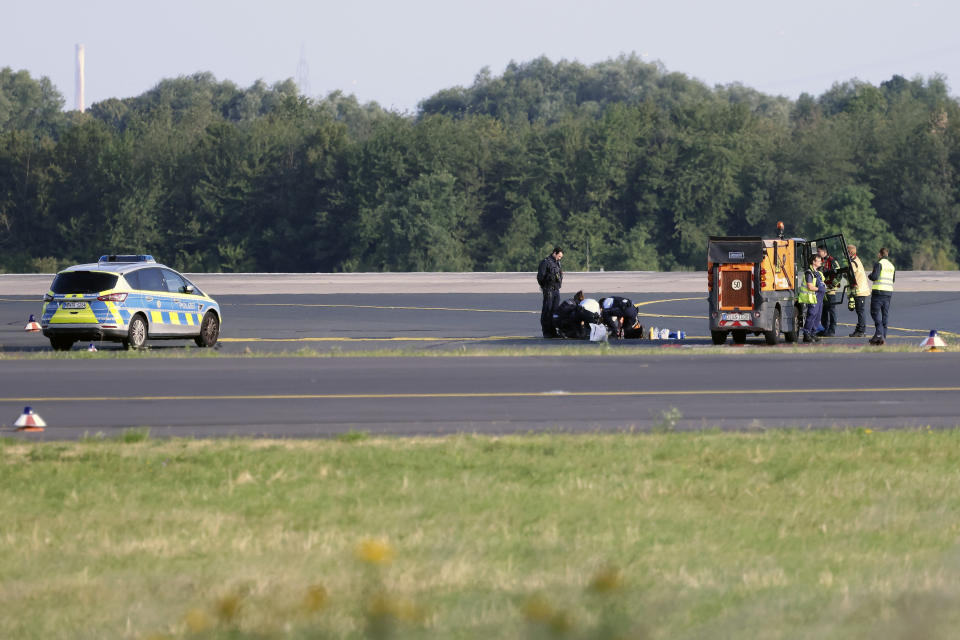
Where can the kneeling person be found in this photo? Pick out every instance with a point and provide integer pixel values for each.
(614, 312)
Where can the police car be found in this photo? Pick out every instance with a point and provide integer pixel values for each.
(128, 299)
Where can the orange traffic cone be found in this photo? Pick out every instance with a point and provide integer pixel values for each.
(29, 421)
(32, 324)
(933, 342)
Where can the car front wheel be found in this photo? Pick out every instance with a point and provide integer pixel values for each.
(209, 331)
(136, 333)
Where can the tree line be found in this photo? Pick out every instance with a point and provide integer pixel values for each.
(626, 165)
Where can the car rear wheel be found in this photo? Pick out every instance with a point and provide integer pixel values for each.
(62, 344)
(136, 333)
(209, 331)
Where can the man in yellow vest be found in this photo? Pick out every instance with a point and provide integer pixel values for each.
(811, 297)
(883, 275)
(859, 291)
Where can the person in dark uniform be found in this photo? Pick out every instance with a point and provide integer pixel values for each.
(550, 277)
(618, 312)
(565, 318)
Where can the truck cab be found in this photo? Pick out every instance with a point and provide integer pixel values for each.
(752, 284)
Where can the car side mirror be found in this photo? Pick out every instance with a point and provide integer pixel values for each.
(189, 288)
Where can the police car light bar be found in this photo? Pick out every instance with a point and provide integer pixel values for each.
(140, 258)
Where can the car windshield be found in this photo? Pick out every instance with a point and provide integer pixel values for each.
(83, 282)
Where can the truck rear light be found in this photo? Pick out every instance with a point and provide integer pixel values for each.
(113, 297)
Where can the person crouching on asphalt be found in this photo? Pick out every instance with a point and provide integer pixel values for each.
(812, 296)
(883, 276)
(614, 312)
(550, 277)
(566, 318)
(859, 291)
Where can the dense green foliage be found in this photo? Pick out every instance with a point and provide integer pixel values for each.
(626, 165)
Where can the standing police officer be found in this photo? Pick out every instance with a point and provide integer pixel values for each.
(550, 277)
(883, 275)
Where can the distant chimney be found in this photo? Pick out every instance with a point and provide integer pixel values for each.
(81, 106)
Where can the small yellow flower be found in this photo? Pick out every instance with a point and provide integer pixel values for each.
(868, 431)
(606, 580)
(561, 623)
(228, 607)
(315, 599)
(537, 609)
(375, 552)
(381, 605)
(409, 611)
(198, 621)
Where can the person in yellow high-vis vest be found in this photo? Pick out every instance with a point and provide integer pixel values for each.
(859, 291)
(810, 297)
(883, 276)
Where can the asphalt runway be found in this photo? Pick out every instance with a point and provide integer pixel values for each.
(435, 321)
(652, 384)
(317, 397)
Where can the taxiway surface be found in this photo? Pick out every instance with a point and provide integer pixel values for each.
(632, 384)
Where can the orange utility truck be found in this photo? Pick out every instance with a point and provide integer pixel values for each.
(752, 284)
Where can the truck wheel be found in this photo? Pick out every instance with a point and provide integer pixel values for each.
(773, 336)
(719, 337)
(791, 336)
(739, 337)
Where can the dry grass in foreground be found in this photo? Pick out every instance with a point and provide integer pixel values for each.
(793, 534)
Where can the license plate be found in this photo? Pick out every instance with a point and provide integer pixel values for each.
(735, 316)
(74, 305)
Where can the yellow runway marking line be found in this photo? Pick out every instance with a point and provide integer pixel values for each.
(660, 315)
(492, 394)
(643, 304)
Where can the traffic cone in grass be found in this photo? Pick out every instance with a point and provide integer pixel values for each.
(32, 324)
(92, 347)
(29, 421)
(933, 342)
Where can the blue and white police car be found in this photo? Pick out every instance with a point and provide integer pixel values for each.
(127, 299)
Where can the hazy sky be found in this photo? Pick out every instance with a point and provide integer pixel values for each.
(399, 52)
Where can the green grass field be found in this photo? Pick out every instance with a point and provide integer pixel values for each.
(781, 534)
